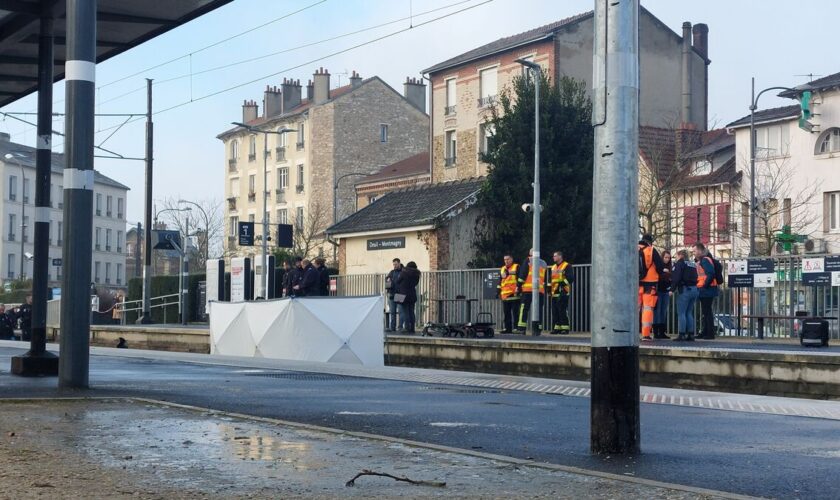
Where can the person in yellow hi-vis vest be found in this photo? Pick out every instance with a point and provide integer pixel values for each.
(508, 291)
(525, 289)
(562, 277)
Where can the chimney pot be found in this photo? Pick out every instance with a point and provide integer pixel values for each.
(414, 91)
(321, 86)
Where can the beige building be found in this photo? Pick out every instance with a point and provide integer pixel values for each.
(338, 135)
(674, 74)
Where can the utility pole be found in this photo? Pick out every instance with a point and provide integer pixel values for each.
(137, 259)
(38, 361)
(80, 85)
(146, 316)
(614, 317)
(185, 276)
(264, 261)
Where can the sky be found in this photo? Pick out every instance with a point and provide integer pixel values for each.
(765, 39)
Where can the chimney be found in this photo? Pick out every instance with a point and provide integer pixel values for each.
(688, 138)
(5, 137)
(291, 94)
(249, 111)
(414, 90)
(355, 79)
(685, 111)
(701, 45)
(310, 90)
(321, 86)
(272, 102)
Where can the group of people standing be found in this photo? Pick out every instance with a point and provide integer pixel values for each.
(516, 287)
(19, 317)
(305, 278)
(401, 286)
(693, 278)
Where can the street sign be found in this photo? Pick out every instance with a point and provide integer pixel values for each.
(166, 240)
(56, 262)
(246, 234)
(751, 273)
(490, 284)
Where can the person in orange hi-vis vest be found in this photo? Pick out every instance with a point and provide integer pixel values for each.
(650, 266)
(508, 291)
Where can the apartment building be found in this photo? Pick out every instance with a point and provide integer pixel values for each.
(18, 208)
(674, 76)
(318, 146)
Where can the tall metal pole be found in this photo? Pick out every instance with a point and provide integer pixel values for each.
(22, 218)
(80, 77)
(185, 277)
(37, 361)
(137, 259)
(752, 168)
(535, 243)
(146, 317)
(264, 264)
(614, 317)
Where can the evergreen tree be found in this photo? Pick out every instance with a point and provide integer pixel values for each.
(566, 148)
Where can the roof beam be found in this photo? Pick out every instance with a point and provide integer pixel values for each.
(7, 59)
(18, 78)
(20, 7)
(128, 18)
(60, 40)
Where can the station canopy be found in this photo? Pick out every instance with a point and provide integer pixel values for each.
(120, 25)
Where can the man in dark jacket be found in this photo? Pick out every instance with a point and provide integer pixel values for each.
(7, 324)
(708, 289)
(407, 287)
(25, 318)
(295, 275)
(391, 289)
(684, 282)
(309, 280)
(323, 277)
(287, 279)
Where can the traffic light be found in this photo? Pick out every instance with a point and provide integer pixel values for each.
(805, 105)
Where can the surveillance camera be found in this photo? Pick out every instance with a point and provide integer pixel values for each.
(28, 255)
(527, 208)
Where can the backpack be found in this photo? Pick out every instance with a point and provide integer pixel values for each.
(718, 270)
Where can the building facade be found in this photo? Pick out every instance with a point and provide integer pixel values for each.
(18, 208)
(413, 171)
(332, 137)
(674, 73)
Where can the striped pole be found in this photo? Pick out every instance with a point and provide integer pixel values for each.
(80, 87)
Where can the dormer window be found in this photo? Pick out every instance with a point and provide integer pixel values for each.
(702, 167)
(829, 141)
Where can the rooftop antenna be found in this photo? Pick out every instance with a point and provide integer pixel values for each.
(810, 76)
(345, 73)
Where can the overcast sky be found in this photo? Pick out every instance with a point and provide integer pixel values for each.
(768, 39)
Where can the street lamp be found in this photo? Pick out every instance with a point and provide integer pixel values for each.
(335, 206)
(265, 132)
(184, 273)
(206, 227)
(15, 157)
(753, 107)
(535, 70)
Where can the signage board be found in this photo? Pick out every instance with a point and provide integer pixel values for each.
(490, 284)
(56, 262)
(821, 271)
(285, 236)
(751, 273)
(239, 274)
(246, 234)
(386, 243)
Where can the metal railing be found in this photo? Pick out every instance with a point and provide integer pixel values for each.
(787, 297)
(165, 301)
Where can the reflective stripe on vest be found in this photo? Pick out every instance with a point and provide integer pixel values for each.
(558, 278)
(527, 286)
(507, 284)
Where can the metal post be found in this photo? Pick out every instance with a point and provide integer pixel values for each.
(535, 243)
(185, 277)
(752, 168)
(614, 316)
(80, 71)
(146, 317)
(22, 219)
(264, 262)
(37, 361)
(137, 251)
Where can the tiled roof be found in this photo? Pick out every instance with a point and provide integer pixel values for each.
(413, 165)
(768, 115)
(414, 206)
(824, 83)
(714, 141)
(726, 174)
(27, 158)
(509, 42)
(657, 146)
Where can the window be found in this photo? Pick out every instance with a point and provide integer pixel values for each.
(282, 178)
(98, 204)
(723, 222)
(299, 219)
(60, 235)
(832, 211)
(109, 206)
(451, 97)
(96, 267)
(107, 240)
(702, 167)
(383, 132)
(696, 224)
(60, 196)
(98, 239)
(107, 272)
(829, 141)
(282, 216)
(234, 226)
(485, 133)
(12, 227)
(252, 187)
(119, 274)
(372, 198)
(451, 148)
(129, 250)
(300, 177)
(234, 150)
(300, 135)
(10, 272)
(12, 187)
(119, 241)
(120, 211)
(25, 190)
(772, 141)
(488, 83)
(252, 148)
(234, 186)
(281, 137)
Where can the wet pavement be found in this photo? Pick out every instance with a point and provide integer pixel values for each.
(135, 448)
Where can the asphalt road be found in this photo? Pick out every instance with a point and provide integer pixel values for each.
(748, 453)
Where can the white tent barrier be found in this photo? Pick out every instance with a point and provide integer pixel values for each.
(326, 329)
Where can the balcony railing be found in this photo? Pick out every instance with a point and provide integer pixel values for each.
(26, 199)
(119, 250)
(450, 161)
(252, 195)
(109, 213)
(486, 101)
(11, 237)
(280, 154)
(280, 194)
(231, 203)
(300, 145)
(107, 248)
(252, 156)
(299, 188)
(449, 110)
(120, 215)
(12, 197)
(232, 165)
(59, 243)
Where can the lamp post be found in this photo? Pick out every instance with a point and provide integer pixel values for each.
(265, 132)
(184, 261)
(206, 227)
(753, 107)
(335, 204)
(534, 328)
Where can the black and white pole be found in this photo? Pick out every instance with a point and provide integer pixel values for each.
(614, 317)
(80, 76)
(146, 316)
(38, 361)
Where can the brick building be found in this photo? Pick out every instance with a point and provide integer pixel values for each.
(412, 171)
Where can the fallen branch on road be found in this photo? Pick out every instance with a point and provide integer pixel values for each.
(366, 472)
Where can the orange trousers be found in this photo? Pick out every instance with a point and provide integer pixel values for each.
(647, 303)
